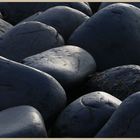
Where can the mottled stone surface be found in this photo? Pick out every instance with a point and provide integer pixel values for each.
(120, 81)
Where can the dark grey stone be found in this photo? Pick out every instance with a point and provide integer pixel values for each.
(125, 122)
(120, 81)
(23, 85)
(14, 12)
(69, 65)
(112, 36)
(64, 19)
(27, 39)
(85, 116)
(21, 122)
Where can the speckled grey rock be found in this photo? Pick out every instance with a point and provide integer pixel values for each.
(23, 85)
(27, 39)
(14, 12)
(125, 122)
(69, 65)
(64, 19)
(112, 36)
(85, 116)
(21, 122)
(120, 81)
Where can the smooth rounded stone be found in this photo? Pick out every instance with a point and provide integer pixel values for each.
(69, 65)
(119, 81)
(94, 6)
(23, 85)
(14, 12)
(4, 26)
(85, 116)
(105, 4)
(63, 18)
(21, 122)
(125, 120)
(27, 39)
(112, 36)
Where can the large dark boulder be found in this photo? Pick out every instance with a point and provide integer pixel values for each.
(120, 81)
(27, 39)
(85, 116)
(14, 12)
(23, 85)
(21, 122)
(125, 122)
(112, 36)
(64, 19)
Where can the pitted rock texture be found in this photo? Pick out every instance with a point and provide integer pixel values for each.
(120, 81)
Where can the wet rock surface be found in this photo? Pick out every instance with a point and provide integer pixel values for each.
(111, 35)
(21, 122)
(27, 39)
(63, 18)
(85, 116)
(22, 85)
(124, 123)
